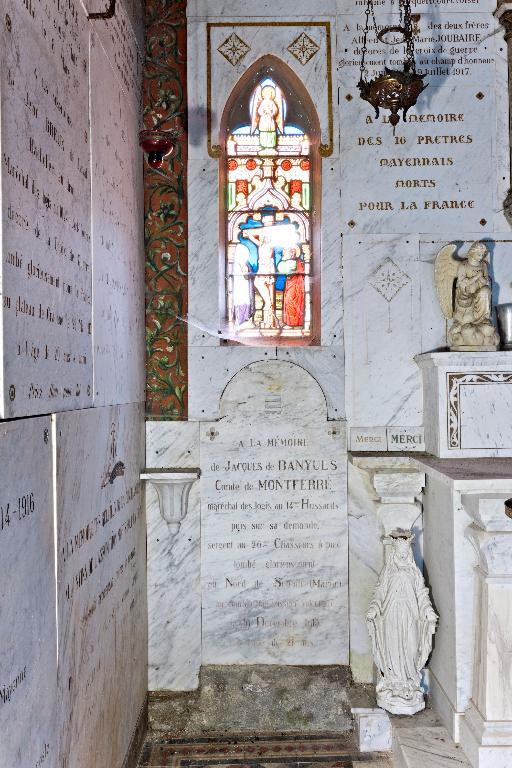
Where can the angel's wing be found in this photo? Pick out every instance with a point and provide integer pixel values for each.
(279, 99)
(445, 272)
(255, 103)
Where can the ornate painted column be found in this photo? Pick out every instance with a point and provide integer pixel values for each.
(503, 14)
(486, 728)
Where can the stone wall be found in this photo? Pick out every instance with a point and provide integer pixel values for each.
(72, 519)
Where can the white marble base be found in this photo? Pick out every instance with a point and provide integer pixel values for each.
(373, 729)
(467, 403)
(429, 747)
(486, 744)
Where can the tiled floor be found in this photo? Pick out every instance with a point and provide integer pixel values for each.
(258, 752)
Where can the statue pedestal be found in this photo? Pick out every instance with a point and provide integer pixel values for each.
(467, 403)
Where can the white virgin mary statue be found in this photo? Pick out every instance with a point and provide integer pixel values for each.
(401, 623)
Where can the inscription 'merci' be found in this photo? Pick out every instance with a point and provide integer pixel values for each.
(46, 266)
(274, 544)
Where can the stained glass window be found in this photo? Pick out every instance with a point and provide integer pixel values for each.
(269, 191)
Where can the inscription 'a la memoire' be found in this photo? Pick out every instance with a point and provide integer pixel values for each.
(272, 442)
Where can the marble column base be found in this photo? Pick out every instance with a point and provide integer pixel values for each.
(486, 744)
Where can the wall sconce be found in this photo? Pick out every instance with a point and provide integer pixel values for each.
(172, 487)
(158, 144)
(108, 14)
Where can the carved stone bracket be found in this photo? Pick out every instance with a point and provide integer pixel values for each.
(172, 487)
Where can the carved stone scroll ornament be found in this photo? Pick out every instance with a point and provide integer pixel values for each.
(401, 623)
(464, 291)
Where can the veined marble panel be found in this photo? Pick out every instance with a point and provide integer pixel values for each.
(28, 633)
(134, 9)
(174, 642)
(273, 521)
(416, 180)
(174, 597)
(46, 271)
(122, 48)
(101, 583)
(172, 444)
(382, 331)
(118, 248)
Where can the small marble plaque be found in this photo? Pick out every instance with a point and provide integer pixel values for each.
(274, 524)
(46, 270)
(101, 572)
(28, 632)
(405, 439)
(368, 439)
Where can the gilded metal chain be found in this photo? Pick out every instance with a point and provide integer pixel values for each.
(409, 37)
(369, 11)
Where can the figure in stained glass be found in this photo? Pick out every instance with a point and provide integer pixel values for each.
(267, 114)
(268, 227)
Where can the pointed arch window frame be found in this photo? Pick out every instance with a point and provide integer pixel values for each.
(270, 66)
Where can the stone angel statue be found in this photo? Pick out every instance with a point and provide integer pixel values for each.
(464, 291)
(401, 623)
(267, 116)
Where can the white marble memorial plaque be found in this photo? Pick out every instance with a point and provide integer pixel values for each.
(46, 271)
(274, 527)
(118, 248)
(101, 571)
(28, 633)
(415, 178)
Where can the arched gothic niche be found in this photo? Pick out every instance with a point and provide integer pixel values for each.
(270, 183)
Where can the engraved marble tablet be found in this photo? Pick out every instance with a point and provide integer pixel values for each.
(274, 527)
(46, 269)
(415, 178)
(101, 571)
(28, 632)
(118, 307)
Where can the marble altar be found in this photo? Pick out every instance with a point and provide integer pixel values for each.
(467, 403)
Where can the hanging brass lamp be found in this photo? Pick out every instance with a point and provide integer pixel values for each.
(393, 89)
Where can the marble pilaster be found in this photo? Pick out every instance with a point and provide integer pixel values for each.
(174, 631)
